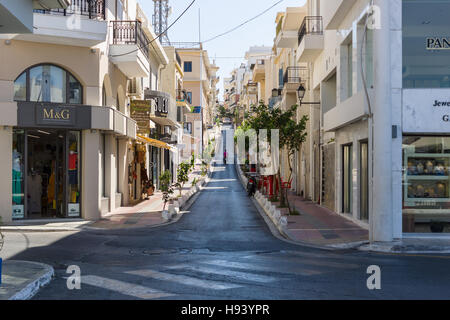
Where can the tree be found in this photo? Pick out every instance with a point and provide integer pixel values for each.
(166, 186)
(183, 175)
(291, 133)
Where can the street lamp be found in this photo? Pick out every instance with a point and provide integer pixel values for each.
(301, 92)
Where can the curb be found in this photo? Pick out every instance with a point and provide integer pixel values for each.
(33, 287)
(277, 223)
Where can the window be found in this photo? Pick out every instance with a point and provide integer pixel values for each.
(103, 95)
(426, 183)
(364, 181)
(48, 83)
(426, 44)
(349, 70)
(188, 127)
(347, 178)
(189, 97)
(188, 66)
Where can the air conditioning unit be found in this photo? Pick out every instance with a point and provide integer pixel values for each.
(135, 87)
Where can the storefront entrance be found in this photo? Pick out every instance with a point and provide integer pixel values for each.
(46, 175)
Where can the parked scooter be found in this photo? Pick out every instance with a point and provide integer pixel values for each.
(251, 187)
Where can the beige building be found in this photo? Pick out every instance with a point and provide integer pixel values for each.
(199, 82)
(71, 145)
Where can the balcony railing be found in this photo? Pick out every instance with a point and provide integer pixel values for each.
(295, 75)
(130, 32)
(183, 96)
(310, 25)
(183, 45)
(94, 9)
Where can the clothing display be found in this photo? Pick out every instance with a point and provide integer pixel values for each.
(34, 193)
(17, 180)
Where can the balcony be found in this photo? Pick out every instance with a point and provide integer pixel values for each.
(164, 110)
(310, 39)
(129, 48)
(335, 12)
(348, 111)
(81, 24)
(287, 27)
(259, 71)
(293, 77)
(183, 100)
(252, 88)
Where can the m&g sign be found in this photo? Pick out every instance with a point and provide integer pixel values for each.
(55, 115)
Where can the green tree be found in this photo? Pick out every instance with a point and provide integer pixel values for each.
(183, 175)
(166, 186)
(291, 134)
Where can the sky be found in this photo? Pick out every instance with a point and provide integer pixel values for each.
(218, 16)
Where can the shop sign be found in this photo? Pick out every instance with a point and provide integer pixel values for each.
(438, 43)
(140, 112)
(197, 110)
(426, 110)
(55, 115)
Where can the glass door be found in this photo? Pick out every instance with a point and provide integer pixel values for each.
(347, 179)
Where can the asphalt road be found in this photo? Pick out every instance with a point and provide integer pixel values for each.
(222, 249)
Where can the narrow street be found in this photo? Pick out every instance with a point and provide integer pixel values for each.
(221, 249)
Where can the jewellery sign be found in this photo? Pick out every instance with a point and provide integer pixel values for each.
(426, 110)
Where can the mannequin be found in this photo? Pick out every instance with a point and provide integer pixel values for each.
(17, 176)
(73, 173)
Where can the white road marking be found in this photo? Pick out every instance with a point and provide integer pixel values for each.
(126, 288)
(184, 280)
(229, 273)
(275, 269)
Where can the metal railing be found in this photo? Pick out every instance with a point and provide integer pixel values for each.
(295, 75)
(94, 9)
(183, 45)
(130, 32)
(310, 25)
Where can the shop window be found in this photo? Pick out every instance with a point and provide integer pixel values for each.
(18, 175)
(426, 184)
(73, 209)
(48, 83)
(426, 44)
(364, 181)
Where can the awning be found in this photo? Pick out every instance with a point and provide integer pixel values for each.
(153, 142)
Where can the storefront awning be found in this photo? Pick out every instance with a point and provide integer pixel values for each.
(153, 142)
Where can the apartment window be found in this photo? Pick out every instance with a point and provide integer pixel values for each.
(280, 78)
(364, 180)
(188, 127)
(368, 72)
(188, 66)
(426, 44)
(349, 70)
(103, 95)
(347, 178)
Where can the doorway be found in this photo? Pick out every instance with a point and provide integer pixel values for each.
(52, 173)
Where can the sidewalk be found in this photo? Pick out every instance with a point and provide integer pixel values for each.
(320, 226)
(21, 280)
(147, 213)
